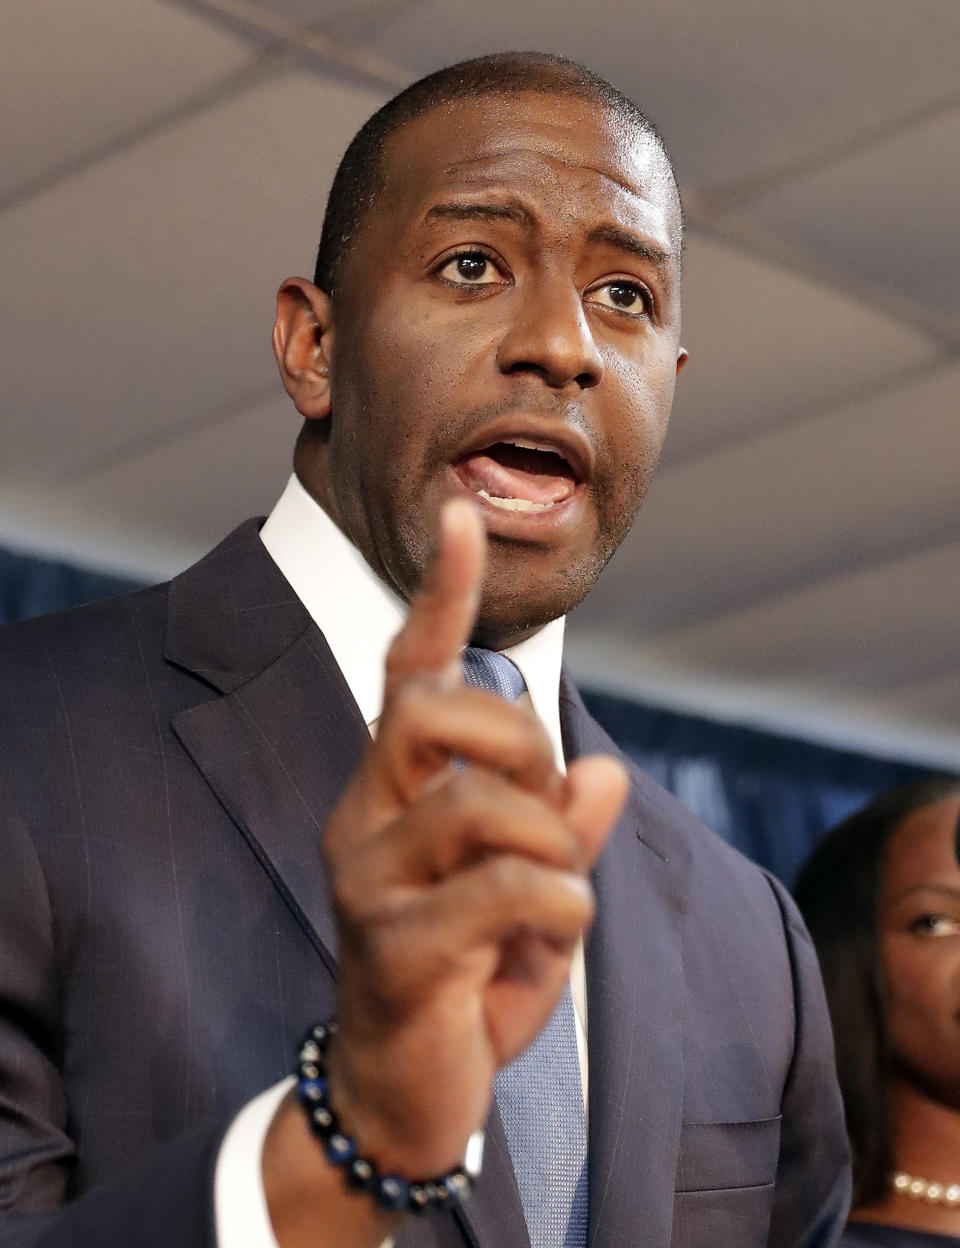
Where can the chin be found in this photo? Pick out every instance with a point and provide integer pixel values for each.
(513, 608)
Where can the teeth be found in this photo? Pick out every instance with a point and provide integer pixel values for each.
(526, 445)
(514, 504)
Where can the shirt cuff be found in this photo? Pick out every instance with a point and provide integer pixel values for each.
(239, 1201)
(240, 1204)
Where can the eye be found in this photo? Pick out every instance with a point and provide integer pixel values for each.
(935, 925)
(470, 268)
(622, 295)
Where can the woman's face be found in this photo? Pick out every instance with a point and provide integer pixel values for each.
(919, 931)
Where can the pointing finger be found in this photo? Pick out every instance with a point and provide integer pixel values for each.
(443, 611)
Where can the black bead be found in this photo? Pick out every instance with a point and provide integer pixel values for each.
(392, 1192)
(310, 1051)
(361, 1174)
(457, 1186)
(311, 1092)
(340, 1148)
(419, 1201)
(320, 1035)
(323, 1120)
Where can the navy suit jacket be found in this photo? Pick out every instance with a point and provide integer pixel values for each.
(168, 760)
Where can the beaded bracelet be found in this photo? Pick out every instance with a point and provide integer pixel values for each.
(392, 1192)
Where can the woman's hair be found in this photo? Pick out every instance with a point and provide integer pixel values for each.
(837, 891)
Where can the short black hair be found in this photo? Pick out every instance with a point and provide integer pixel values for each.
(360, 175)
(837, 891)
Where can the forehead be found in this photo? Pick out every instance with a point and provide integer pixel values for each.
(560, 151)
(924, 848)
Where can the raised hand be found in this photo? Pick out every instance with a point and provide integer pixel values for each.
(460, 892)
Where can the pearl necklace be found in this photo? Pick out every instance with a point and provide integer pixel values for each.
(924, 1189)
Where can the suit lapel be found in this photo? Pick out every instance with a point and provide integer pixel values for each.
(279, 775)
(634, 997)
(280, 744)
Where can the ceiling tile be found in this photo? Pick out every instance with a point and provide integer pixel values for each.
(737, 86)
(140, 294)
(892, 624)
(815, 498)
(886, 218)
(767, 345)
(193, 489)
(77, 77)
(154, 512)
(934, 701)
(860, 720)
(336, 17)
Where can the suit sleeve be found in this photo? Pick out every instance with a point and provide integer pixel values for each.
(812, 1195)
(165, 1198)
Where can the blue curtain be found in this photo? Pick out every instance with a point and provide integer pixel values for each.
(30, 586)
(770, 796)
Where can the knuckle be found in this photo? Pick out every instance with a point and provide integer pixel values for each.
(476, 805)
(464, 794)
(509, 875)
(411, 702)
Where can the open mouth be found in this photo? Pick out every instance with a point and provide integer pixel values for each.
(517, 474)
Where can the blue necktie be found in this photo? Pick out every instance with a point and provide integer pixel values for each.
(539, 1094)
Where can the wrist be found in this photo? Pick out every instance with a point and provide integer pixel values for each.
(372, 1161)
(307, 1200)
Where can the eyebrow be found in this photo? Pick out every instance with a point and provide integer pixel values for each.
(626, 240)
(512, 210)
(507, 210)
(927, 887)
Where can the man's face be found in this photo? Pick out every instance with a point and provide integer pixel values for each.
(506, 327)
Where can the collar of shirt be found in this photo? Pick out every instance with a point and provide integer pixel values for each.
(359, 615)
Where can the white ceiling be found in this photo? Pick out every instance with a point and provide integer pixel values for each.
(165, 163)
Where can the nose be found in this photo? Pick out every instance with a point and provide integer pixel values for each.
(549, 336)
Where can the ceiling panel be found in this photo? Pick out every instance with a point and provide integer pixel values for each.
(767, 345)
(860, 719)
(193, 490)
(152, 513)
(78, 77)
(886, 218)
(139, 294)
(935, 701)
(817, 497)
(338, 17)
(889, 625)
(738, 88)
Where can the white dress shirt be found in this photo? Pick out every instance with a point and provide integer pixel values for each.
(359, 617)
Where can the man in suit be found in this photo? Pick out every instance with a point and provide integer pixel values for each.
(204, 852)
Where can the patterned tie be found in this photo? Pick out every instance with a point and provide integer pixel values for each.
(539, 1094)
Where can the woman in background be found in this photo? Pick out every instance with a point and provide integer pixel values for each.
(881, 896)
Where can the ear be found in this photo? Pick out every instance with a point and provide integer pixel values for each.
(303, 345)
(682, 356)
